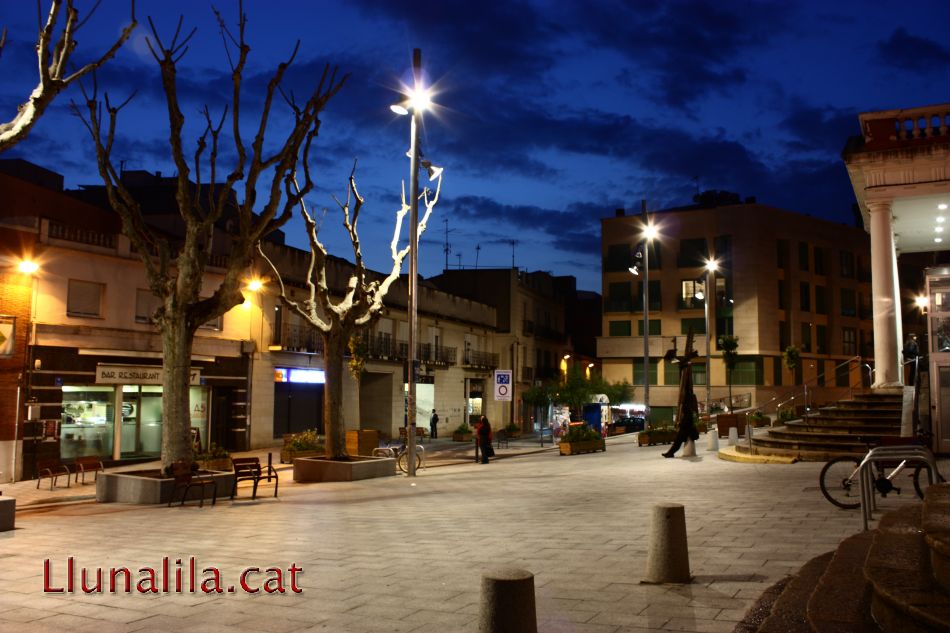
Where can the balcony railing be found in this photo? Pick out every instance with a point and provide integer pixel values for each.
(83, 236)
(484, 360)
(548, 333)
(624, 304)
(437, 355)
(301, 338)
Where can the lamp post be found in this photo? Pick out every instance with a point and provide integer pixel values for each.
(417, 102)
(649, 233)
(711, 267)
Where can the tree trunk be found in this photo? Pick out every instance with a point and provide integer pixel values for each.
(729, 380)
(334, 346)
(176, 409)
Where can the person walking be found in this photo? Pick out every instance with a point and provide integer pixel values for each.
(687, 425)
(484, 439)
(911, 351)
(434, 425)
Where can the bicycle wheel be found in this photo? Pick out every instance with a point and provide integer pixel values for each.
(839, 482)
(921, 481)
(403, 462)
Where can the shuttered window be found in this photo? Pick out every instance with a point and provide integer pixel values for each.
(84, 298)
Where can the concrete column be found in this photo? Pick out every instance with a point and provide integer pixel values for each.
(884, 290)
(898, 320)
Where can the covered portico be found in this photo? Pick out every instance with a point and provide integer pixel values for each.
(900, 170)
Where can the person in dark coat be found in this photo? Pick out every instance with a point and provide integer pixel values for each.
(911, 351)
(434, 425)
(484, 439)
(687, 425)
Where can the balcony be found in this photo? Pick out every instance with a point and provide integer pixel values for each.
(527, 374)
(435, 355)
(59, 231)
(480, 360)
(549, 333)
(300, 338)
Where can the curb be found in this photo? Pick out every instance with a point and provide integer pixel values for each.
(730, 454)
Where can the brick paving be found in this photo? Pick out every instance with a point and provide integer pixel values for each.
(396, 554)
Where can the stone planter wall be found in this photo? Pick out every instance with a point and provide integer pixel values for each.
(288, 455)
(462, 437)
(588, 446)
(132, 488)
(651, 438)
(317, 469)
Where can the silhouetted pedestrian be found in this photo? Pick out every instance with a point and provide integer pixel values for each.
(484, 439)
(434, 425)
(687, 425)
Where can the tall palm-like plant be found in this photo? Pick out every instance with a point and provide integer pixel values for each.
(729, 344)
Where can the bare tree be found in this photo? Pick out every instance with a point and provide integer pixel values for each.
(175, 271)
(339, 318)
(52, 66)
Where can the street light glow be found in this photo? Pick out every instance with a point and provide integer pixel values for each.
(712, 265)
(921, 302)
(255, 285)
(650, 232)
(420, 99)
(28, 266)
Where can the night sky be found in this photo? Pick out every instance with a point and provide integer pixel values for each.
(551, 114)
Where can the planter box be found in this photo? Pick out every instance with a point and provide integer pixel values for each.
(7, 513)
(651, 438)
(513, 435)
(588, 446)
(726, 421)
(462, 437)
(316, 469)
(288, 455)
(219, 463)
(129, 487)
(362, 442)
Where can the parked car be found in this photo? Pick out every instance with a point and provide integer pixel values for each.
(630, 424)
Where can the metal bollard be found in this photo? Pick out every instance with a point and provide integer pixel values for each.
(507, 602)
(270, 464)
(668, 558)
(689, 448)
(712, 439)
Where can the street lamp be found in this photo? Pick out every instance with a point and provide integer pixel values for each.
(710, 296)
(417, 101)
(649, 234)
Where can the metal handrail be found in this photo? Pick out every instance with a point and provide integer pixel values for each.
(805, 386)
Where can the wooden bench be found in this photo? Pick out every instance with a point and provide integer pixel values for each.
(51, 468)
(421, 433)
(186, 479)
(88, 464)
(249, 469)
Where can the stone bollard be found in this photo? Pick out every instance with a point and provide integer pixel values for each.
(507, 602)
(733, 436)
(668, 558)
(689, 448)
(712, 440)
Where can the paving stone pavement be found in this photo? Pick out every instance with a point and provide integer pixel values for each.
(404, 555)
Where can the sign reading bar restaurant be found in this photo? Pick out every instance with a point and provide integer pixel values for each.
(136, 375)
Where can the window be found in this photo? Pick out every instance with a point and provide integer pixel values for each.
(821, 300)
(820, 261)
(656, 255)
(849, 341)
(723, 247)
(671, 373)
(277, 326)
(145, 305)
(693, 253)
(698, 326)
(803, 255)
(782, 294)
(804, 296)
(618, 297)
(618, 258)
(849, 306)
(655, 298)
(216, 323)
(688, 290)
(821, 339)
(723, 326)
(638, 371)
(784, 335)
(748, 371)
(781, 253)
(654, 327)
(699, 373)
(619, 328)
(843, 375)
(84, 298)
(806, 337)
(777, 371)
(847, 264)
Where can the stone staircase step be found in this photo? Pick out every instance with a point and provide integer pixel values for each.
(757, 613)
(841, 601)
(788, 611)
(905, 596)
(853, 432)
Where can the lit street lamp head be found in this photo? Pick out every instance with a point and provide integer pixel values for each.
(28, 267)
(712, 265)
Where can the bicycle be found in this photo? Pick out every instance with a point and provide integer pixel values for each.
(840, 484)
(400, 452)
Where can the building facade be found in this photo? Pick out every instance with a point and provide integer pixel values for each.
(783, 280)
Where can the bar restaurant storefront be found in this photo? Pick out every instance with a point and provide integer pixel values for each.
(109, 404)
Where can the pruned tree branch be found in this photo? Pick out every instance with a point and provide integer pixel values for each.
(52, 67)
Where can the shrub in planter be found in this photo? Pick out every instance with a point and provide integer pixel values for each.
(581, 439)
(513, 430)
(215, 458)
(656, 435)
(463, 433)
(757, 419)
(303, 444)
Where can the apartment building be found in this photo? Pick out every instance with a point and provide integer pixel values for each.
(783, 279)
